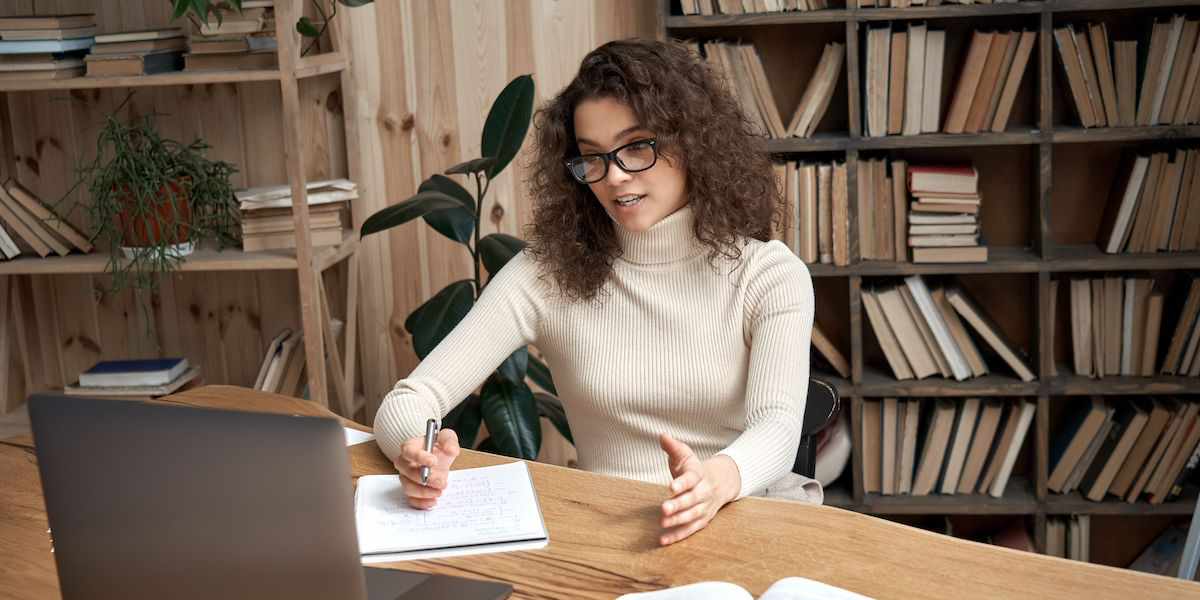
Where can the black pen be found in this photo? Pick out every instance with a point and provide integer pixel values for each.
(431, 429)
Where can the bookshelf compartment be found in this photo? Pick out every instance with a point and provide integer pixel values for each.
(1135, 534)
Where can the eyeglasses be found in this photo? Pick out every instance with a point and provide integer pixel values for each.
(631, 158)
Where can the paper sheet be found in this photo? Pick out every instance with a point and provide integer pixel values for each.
(354, 436)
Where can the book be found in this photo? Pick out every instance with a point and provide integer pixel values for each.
(114, 65)
(968, 254)
(987, 329)
(1128, 422)
(956, 457)
(1162, 552)
(139, 35)
(788, 588)
(985, 432)
(230, 61)
(32, 223)
(1023, 413)
(1155, 426)
(1071, 439)
(819, 91)
(44, 75)
(968, 82)
(933, 451)
(8, 246)
(140, 46)
(48, 61)
(66, 21)
(271, 355)
(48, 34)
(1012, 80)
(38, 46)
(887, 339)
(914, 79)
(872, 446)
(931, 95)
(287, 240)
(938, 327)
(126, 373)
(187, 379)
(943, 180)
(887, 456)
(17, 225)
(829, 351)
(280, 196)
(484, 509)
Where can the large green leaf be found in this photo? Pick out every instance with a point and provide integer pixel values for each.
(398, 214)
(465, 419)
(455, 223)
(355, 3)
(471, 166)
(513, 367)
(307, 28)
(497, 249)
(540, 374)
(507, 122)
(181, 7)
(552, 408)
(432, 321)
(511, 416)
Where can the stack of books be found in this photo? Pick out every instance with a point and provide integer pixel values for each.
(1155, 205)
(818, 220)
(943, 221)
(922, 333)
(741, 67)
(1115, 325)
(1102, 75)
(944, 446)
(136, 53)
(1069, 537)
(911, 3)
(737, 7)
(243, 40)
(882, 215)
(283, 367)
(1127, 448)
(45, 46)
(27, 225)
(903, 80)
(267, 221)
(1183, 352)
(988, 81)
(135, 379)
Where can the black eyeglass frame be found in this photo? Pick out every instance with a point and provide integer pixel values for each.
(611, 157)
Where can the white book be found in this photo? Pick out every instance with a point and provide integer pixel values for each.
(1010, 453)
(485, 509)
(8, 247)
(914, 78)
(941, 332)
(931, 104)
(1133, 190)
(277, 196)
(40, 46)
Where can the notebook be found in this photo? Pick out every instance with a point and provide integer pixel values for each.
(485, 509)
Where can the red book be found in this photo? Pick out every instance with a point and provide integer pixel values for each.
(943, 179)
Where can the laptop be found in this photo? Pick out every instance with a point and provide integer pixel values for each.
(158, 501)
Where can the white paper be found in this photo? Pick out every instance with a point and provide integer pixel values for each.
(788, 588)
(486, 509)
(354, 436)
(800, 588)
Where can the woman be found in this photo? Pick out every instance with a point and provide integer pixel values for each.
(678, 336)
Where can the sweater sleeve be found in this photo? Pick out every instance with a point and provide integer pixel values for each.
(779, 310)
(504, 319)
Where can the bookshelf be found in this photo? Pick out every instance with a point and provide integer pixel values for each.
(293, 80)
(1043, 212)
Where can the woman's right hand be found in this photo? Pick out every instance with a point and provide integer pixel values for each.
(413, 456)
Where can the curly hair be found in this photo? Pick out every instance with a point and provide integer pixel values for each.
(729, 183)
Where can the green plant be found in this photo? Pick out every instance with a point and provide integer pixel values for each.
(506, 404)
(150, 195)
(198, 12)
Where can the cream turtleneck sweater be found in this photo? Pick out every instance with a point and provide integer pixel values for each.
(717, 358)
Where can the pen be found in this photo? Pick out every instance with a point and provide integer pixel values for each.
(431, 428)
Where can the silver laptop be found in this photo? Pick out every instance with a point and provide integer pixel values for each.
(155, 501)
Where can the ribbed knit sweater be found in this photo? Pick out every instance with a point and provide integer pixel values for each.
(718, 358)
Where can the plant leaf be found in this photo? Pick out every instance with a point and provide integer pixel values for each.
(202, 8)
(398, 214)
(355, 3)
(434, 319)
(513, 367)
(540, 374)
(507, 122)
(235, 5)
(552, 408)
(455, 223)
(465, 419)
(497, 249)
(512, 418)
(181, 7)
(471, 166)
(306, 28)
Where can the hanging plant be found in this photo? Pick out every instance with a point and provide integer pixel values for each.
(198, 12)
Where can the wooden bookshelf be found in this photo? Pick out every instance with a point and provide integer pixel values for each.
(1046, 216)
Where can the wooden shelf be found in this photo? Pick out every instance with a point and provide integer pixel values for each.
(821, 142)
(1074, 503)
(1157, 133)
(876, 383)
(1089, 258)
(1074, 385)
(830, 142)
(832, 15)
(950, 11)
(1018, 499)
(206, 258)
(158, 79)
(320, 64)
(1001, 259)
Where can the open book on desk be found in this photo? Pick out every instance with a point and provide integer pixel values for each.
(788, 588)
(485, 509)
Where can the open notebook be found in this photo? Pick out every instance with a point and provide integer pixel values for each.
(788, 588)
(485, 509)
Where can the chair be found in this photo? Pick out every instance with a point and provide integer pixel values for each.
(822, 408)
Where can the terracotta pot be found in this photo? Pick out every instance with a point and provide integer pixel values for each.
(140, 230)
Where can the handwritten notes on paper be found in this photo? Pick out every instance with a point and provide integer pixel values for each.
(486, 509)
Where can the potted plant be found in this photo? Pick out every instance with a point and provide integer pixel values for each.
(199, 11)
(152, 200)
(505, 403)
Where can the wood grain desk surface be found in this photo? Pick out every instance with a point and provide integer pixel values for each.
(603, 533)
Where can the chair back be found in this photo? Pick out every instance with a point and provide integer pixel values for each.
(821, 409)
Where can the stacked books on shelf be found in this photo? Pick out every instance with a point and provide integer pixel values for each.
(135, 379)
(1155, 204)
(989, 80)
(742, 70)
(1126, 448)
(903, 80)
(911, 3)
(237, 40)
(283, 367)
(737, 7)
(881, 211)
(818, 223)
(1069, 537)
(267, 222)
(29, 226)
(921, 331)
(943, 222)
(1183, 352)
(942, 446)
(1115, 325)
(136, 53)
(45, 46)
(1102, 75)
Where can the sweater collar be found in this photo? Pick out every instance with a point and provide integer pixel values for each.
(669, 240)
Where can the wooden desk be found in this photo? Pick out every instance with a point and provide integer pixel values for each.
(603, 532)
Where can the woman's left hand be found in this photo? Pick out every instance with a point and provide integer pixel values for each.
(699, 489)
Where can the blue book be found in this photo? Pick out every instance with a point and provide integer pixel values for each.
(37, 46)
(128, 373)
